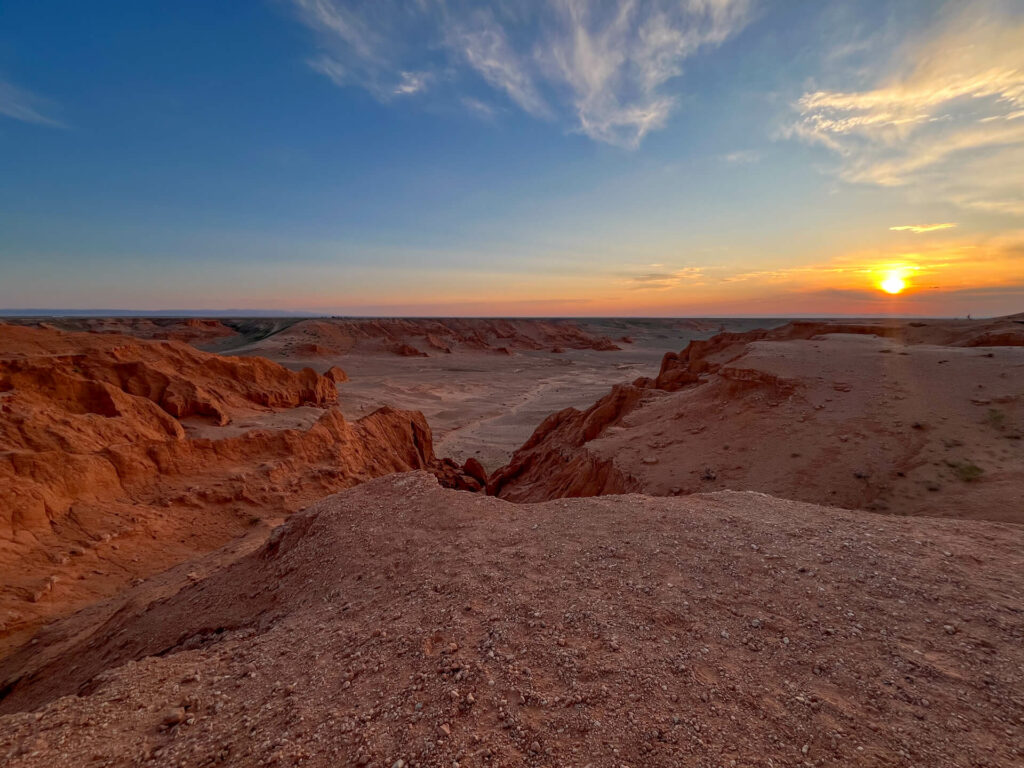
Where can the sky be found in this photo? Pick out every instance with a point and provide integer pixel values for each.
(560, 158)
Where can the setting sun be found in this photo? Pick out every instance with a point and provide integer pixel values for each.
(893, 284)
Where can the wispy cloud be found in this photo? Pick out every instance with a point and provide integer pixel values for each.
(659, 278)
(19, 104)
(479, 108)
(412, 82)
(487, 49)
(601, 68)
(944, 119)
(920, 229)
(742, 157)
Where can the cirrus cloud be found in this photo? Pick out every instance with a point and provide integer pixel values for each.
(946, 121)
(601, 68)
(921, 229)
(19, 104)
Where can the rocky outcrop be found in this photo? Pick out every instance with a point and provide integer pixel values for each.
(399, 622)
(408, 350)
(198, 331)
(815, 410)
(410, 336)
(335, 374)
(127, 451)
(554, 462)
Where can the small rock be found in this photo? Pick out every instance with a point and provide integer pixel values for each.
(173, 716)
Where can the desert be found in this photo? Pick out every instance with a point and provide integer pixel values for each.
(186, 589)
(533, 384)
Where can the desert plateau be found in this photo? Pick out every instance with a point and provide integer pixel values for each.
(534, 384)
(210, 562)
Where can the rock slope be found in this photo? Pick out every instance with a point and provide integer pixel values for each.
(103, 478)
(906, 418)
(191, 330)
(401, 624)
(411, 337)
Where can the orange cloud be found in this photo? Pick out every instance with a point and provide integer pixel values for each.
(919, 229)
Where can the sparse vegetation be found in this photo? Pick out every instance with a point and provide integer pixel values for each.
(967, 471)
(996, 419)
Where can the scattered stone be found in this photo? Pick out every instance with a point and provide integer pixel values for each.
(173, 716)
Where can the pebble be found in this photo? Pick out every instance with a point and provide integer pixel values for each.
(174, 716)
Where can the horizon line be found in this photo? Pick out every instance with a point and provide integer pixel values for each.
(306, 315)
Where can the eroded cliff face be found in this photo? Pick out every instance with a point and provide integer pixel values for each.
(112, 463)
(412, 337)
(905, 417)
(555, 462)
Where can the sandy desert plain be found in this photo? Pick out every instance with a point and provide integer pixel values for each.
(484, 542)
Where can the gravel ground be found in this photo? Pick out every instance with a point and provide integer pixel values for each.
(399, 624)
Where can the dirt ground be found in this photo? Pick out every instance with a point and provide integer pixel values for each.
(484, 405)
(401, 624)
(719, 619)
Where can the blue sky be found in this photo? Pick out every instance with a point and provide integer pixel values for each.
(448, 157)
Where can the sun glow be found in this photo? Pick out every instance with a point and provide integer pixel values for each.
(893, 283)
(892, 278)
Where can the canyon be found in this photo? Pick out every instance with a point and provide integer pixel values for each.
(264, 541)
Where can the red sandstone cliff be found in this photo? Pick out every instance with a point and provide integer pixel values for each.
(905, 417)
(100, 462)
(413, 337)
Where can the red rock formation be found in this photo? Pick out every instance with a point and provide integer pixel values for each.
(771, 394)
(191, 330)
(96, 445)
(554, 462)
(475, 470)
(335, 374)
(407, 350)
(340, 336)
(437, 343)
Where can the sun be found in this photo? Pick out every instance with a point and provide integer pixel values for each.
(893, 283)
